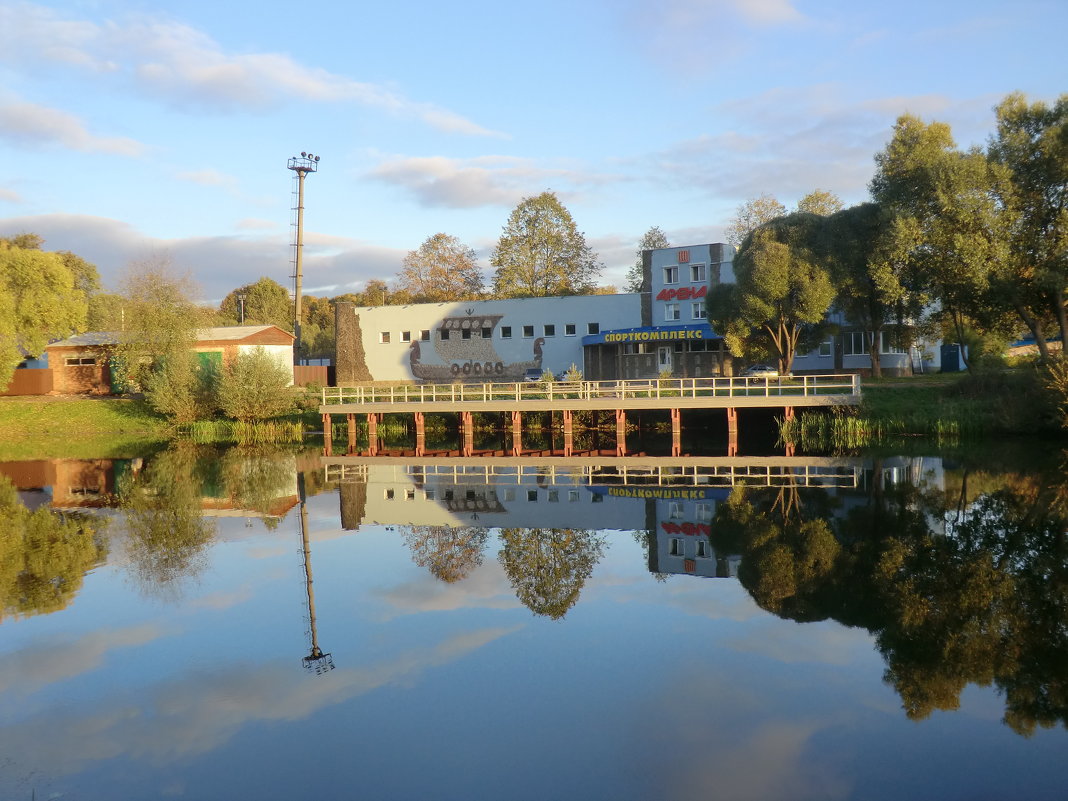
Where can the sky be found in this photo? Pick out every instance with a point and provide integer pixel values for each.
(136, 132)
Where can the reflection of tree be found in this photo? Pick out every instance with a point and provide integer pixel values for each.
(256, 477)
(549, 566)
(44, 555)
(167, 531)
(959, 588)
(450, 554)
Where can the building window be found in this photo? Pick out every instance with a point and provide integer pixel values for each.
(550, 330)
(887, 343)
(431, 495)
(675, 510)
(389, 495)
(487, 332)
(855, 343)
(697, 273)
(532, 496)
(554, 496)
(509, 495)
(703, 512)
(672, 311)
(593, 328)
(572, 496)
(80, 362)
(406, 336)
(443, 334)
(569, 329)
(671, 275)
(528, 331)
(506, 332)
(409, 495)
(699, 311)
(676, 548)
(424, 335)
(703, 550)
(465, 334)
(383, 337)
(825, 348)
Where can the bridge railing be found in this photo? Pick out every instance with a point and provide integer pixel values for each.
(659, 388)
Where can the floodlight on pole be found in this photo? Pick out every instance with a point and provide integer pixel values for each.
(301, 165)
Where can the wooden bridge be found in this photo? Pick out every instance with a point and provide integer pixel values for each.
(669, 394)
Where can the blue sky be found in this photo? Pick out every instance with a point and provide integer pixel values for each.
(134, 131)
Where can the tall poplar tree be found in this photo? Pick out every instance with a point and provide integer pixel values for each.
(651, 240)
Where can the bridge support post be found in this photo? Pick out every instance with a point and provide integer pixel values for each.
(372, 434)
(569, 439)
(732, 431)
(328, 431)
(676, 432)
(788, 415)
(420, 434)
(467, 432)
(621, 432)
(517, 433)
(350, 429)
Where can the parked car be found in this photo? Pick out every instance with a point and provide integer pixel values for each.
(532, 375)
(760, 371)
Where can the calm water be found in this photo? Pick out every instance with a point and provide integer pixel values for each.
(894, 627)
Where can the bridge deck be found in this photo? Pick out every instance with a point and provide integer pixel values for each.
(662, 393)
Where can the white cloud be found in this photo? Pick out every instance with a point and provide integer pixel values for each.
(185, 67)
(10, 195)
(30, 124)
(438, 181)
(209, 178)
(254, 224)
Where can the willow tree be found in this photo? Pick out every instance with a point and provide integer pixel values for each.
(542, 253)
(781, 293)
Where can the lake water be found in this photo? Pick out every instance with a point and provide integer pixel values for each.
(252, 624)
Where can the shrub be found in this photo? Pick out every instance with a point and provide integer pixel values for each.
(255, 386)
(178, 388)
(1055, 383)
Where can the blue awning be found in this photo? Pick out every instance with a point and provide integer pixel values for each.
(621, 336)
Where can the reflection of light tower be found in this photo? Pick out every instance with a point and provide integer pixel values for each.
(301, 165)
(316, 661)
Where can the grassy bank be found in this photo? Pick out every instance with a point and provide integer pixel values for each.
(77, 428)
(946, 408)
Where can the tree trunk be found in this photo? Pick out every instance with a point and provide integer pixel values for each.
(873, 354)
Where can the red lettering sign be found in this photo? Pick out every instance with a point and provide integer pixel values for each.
(687, 528)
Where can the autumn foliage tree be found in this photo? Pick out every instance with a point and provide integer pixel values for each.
(442, 268)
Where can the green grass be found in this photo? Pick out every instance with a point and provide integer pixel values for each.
(77, 428)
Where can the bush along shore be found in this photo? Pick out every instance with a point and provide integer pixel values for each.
(946, 409)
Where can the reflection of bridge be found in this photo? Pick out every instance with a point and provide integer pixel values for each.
(567, 397)
(706, 472)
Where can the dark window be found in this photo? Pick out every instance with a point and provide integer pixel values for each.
(383, 337)
(465, 334)
(506, 332)
(569, 329)
(487, 333)
(425, 335)
(528, 331)
(406, 336)
(443, 333)
(593, 328)
(550, 330)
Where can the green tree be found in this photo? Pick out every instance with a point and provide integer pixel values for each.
(820, 202)
(254, 386)
(542, 253)
(441, 269)
(548, 567)
(651, 240)
(39, 302)
(162, 321)
(875, 286)
(948, 222)
(107, 312)
(1031, 143)
(752, 214)
(44, 555)
(266, 302)
(781, 291)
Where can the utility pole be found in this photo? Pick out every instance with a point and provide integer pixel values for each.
(301, 165)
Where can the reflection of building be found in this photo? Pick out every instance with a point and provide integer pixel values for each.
(681, 541)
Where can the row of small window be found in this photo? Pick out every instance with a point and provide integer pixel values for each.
(74, 361)
(673, 311)
(856, 343)
(444, 334)
(677, 547)
(552, 496)
(698, 274)
(678, 346)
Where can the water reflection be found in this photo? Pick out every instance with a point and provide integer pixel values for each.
(960, 575)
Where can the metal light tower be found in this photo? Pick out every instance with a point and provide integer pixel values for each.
(301, 165)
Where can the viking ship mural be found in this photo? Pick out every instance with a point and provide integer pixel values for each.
(464, 349)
